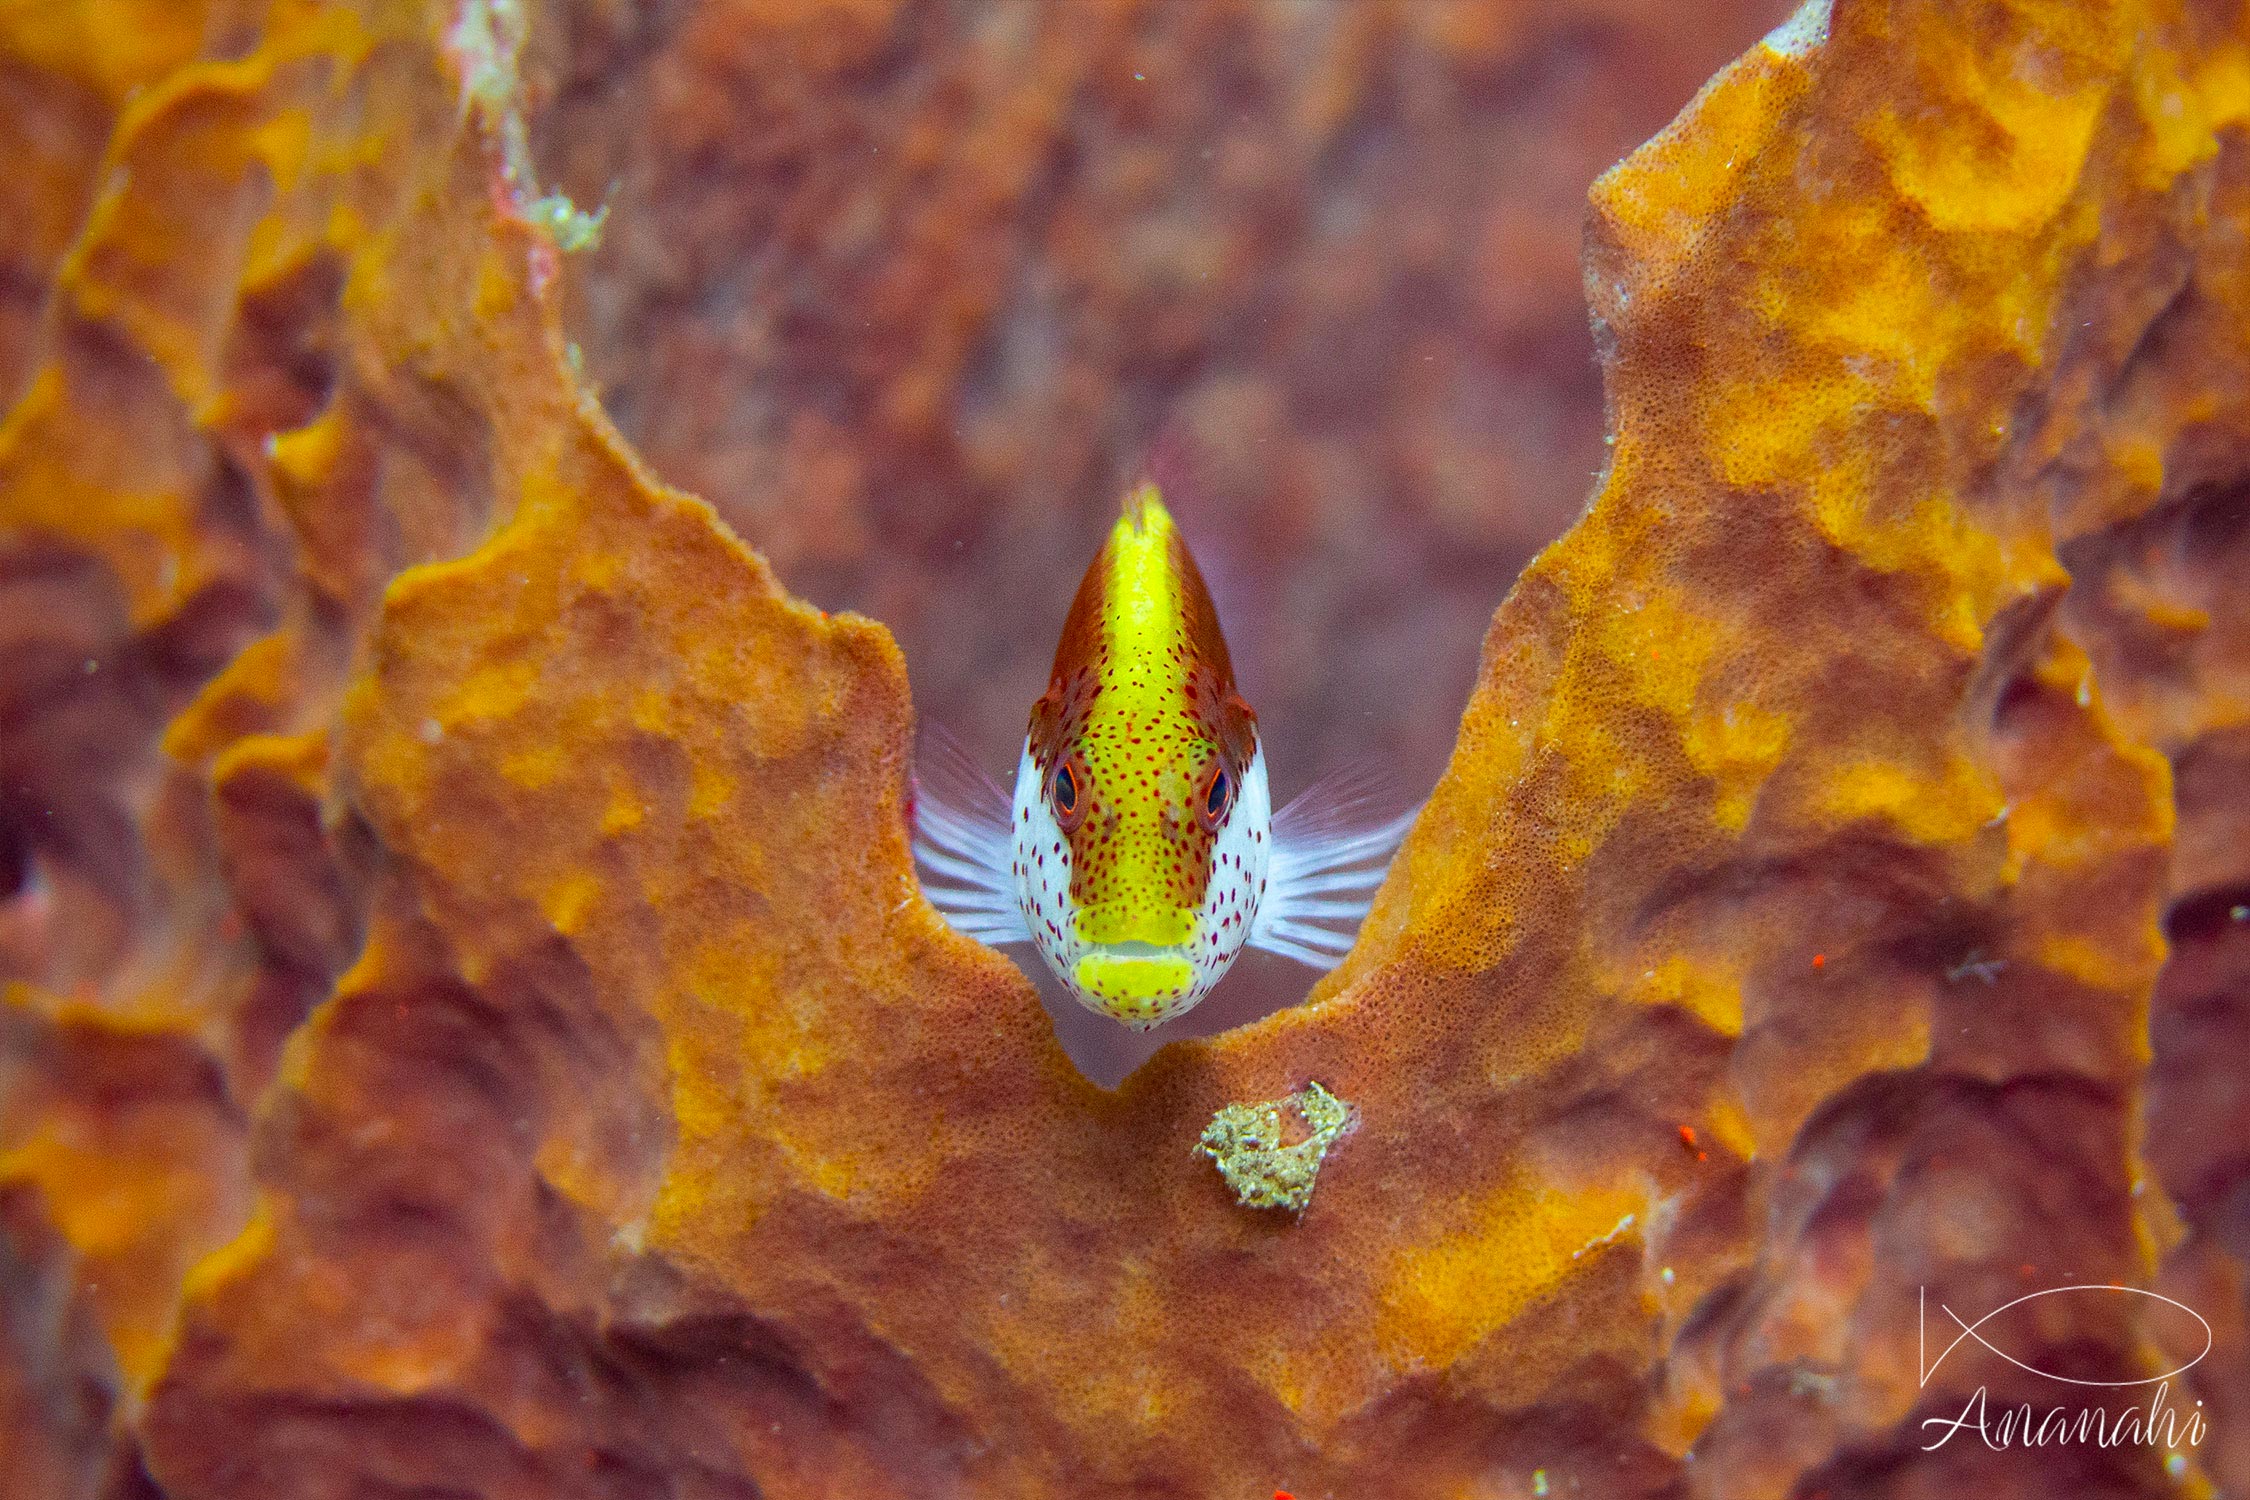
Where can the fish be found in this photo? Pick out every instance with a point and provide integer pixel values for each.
(1140, 852)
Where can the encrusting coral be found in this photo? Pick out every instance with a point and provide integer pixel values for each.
(476, 1032)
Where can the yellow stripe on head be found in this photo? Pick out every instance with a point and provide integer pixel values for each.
(1135, 888)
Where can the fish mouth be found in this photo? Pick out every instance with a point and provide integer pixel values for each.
(1133, 948)
(1135, 982)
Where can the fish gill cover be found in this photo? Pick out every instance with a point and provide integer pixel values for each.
(475, 1031)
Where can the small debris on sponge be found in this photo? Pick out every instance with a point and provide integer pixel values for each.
(1245, 1142)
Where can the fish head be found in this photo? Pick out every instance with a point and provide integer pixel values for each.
(1142, 818)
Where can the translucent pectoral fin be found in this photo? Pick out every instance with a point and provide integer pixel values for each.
(963, 842)
(1332, 846)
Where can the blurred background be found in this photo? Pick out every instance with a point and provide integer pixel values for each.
(908, 290)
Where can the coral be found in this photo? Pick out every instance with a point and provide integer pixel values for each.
(1245, 1142)
(472, 1028)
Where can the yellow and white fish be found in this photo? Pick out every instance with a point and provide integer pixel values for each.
(1141, 851)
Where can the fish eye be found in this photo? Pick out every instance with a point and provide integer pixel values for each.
(1218, 797)
(1066, 789)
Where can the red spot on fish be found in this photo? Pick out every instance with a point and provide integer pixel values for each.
(1820, 960)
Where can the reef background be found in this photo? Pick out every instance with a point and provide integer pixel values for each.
(471, 1029)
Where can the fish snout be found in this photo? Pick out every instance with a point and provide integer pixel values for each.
(1134, 925)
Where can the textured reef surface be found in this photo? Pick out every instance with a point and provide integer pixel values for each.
(471, 1030)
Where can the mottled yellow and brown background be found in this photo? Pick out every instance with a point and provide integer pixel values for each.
(469, 1027)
